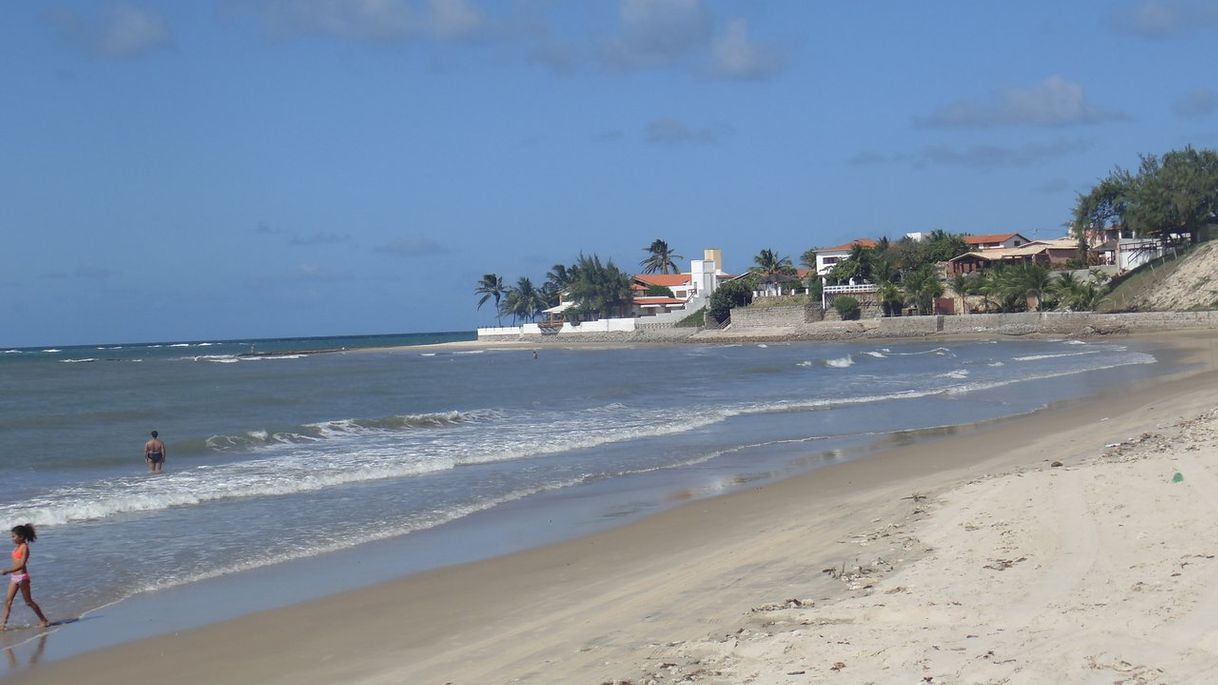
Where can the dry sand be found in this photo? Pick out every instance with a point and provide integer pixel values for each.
(966, 558)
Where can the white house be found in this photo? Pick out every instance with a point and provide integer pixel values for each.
(1134, 252)
(827, 258)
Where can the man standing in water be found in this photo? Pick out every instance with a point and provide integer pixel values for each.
(154, 454)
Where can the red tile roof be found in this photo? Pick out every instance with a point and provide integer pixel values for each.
(865, 242)
(665, 280)
(987, 239)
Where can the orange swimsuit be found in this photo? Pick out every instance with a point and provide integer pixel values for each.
(24, 575)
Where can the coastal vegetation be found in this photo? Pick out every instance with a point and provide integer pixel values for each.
(737, 293)
(1170, 198)
(771, 270)
(847, 307)
(661, 258)
(490, 286)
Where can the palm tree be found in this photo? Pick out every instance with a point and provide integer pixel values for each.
(1067, 288)
(771, 268)
(890, 298)
(599, 289)
(660, 258)
(922, 286)
(1036, 281)
(960, 285)
(523, 300)
(558, 279)
(491, 285)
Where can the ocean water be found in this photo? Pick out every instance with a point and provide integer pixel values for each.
(302, 454)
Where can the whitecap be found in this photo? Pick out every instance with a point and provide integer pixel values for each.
(77, 361)
(52, 350)
(1038, 357)
(265, 357)
(877, 355)
(840, 362)
(958, 374)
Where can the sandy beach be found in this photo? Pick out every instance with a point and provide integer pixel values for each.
(963, 556)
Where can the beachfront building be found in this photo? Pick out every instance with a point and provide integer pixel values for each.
(656, 298)
(829, 257)
(1134, 252)
(1121, 247)
(995, 241)
(970, 262)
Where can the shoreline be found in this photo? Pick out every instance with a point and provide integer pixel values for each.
(1035, 325)
(490, 620)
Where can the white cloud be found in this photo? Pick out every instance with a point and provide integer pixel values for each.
(132, 31)
(412, 246)
(737, 57)
(1166, 19)
(976, 156)
(682, 34)
(668, 131)
(1199, 103)
(453, 18)
(119, 31)
(659, 31)
(374, 20)
(1056, 101)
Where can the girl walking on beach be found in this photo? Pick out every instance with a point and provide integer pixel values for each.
(22, 537)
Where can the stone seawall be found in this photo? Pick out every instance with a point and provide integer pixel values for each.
(787, 323)
(773, 325)
(767, 317)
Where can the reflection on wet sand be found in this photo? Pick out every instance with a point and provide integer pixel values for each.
(40, 644)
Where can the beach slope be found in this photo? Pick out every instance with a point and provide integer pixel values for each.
(965, 556)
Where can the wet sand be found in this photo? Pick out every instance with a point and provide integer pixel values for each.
(702, 591)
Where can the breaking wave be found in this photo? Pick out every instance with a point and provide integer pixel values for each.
(1038, 357)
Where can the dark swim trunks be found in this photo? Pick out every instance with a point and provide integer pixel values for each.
(155, 457)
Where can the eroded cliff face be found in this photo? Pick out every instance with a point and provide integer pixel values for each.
(1191, 284)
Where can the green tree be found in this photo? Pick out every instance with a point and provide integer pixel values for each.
(847, 307)
(922, 287)
(808, 258)
(490, 285)
(891, 299)
(1033, 280)
(734, 293)
(660, 258)
(1174, 194)
(523, 301)
(858, 264)
(599, 290)
(960, 285)
(771, 269)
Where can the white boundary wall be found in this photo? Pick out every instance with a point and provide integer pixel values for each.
(598, 326)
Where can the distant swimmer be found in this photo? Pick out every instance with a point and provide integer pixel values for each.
(154, 454)
(20, 570)
(534, 354)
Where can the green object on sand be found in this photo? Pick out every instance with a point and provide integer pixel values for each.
(1178, 478)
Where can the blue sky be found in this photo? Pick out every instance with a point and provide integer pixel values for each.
(252, 168)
